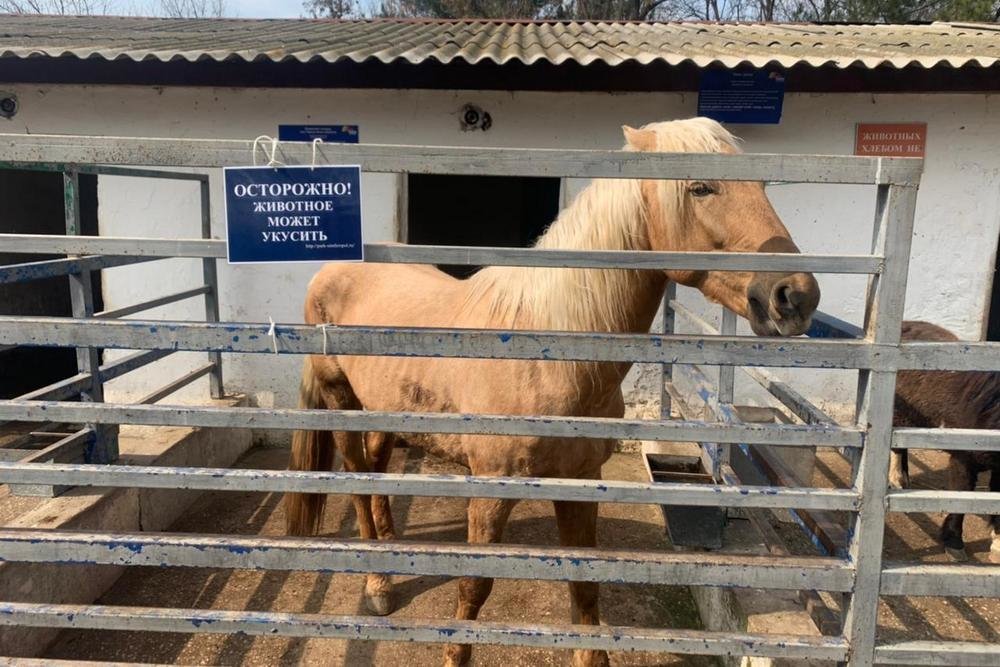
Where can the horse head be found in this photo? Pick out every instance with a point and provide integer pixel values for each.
(733, 216)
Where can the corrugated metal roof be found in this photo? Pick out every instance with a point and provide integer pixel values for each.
(390, 41)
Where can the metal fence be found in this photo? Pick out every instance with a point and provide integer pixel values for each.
(98, 443)
(859, 572)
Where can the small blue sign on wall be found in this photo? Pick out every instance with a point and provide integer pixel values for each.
(330, 134)
(293, 214)
(741, 97)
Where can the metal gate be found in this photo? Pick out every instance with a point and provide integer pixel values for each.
(860, 574)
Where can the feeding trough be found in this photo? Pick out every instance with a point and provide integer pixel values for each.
(687, 525)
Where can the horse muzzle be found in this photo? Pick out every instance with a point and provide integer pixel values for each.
(782, 304)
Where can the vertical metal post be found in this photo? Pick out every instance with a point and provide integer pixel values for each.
(211, 278)
(727, 378)
(883, 322)
(88, 359)
(727, 374)
(667, 370)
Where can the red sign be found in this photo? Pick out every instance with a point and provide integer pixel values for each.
(890, 139)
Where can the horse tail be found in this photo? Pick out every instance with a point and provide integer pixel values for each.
(311, 450)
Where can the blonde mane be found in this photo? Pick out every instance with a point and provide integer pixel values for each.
(609, 214)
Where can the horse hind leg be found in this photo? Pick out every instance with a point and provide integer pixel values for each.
(487, 519)
(314, 450)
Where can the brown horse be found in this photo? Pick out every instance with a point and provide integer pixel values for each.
(949, 399)
(610, 214)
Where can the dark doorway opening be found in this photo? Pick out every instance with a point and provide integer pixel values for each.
(993, 323)
(479, 211)
(31, 202)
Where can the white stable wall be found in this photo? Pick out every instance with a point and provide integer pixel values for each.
(957, 227)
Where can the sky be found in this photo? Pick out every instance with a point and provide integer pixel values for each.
(265, 9)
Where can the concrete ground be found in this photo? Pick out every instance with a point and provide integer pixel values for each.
(434, 519)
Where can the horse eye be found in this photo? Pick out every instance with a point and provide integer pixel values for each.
(701, 189)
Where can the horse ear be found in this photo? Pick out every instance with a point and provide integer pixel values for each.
(640, 140)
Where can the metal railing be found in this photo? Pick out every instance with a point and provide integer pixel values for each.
(859, 573)
(98, 443)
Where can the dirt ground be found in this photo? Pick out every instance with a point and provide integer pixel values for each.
(434, 519)
(913, 537)
(908, 538)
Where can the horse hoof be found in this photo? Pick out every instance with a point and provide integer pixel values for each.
(456, 655)
(379, 605)
(590, 659)
(995, 546)
(899, 481)
(960, 555)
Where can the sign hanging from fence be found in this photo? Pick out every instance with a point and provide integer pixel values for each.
(293, 214)
(741, 97)
(890, 139)
(329, 134)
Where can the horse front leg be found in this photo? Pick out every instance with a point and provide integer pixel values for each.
(961, 477)
(899, 469)
(487, 519)
(578, 528)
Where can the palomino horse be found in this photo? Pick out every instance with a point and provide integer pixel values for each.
(949, 399)
(610, 214)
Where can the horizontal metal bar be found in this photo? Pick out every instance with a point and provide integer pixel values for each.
(943, 653)
(387, 253)
(62, 662)
(986, 440)
(50, 268)
(800, 406)
(134, 172)
(959, 356)
(152, 303)
(495, 344)
(71, 449)
(428, 422)
(369, 628)
(106, 170)
(456, 486)
(653, 260)
(953, 580)
(461, 343)
(57, 244)
(65, 450)
(70, 387)
(61, 390)
(506, 561)
(177, 384)
(473, 161)
(955, 502)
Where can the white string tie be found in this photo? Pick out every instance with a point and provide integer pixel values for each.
(317, 141)
(273, 335)
(262, 141)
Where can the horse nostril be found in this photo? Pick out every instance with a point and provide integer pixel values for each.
(784, 298)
